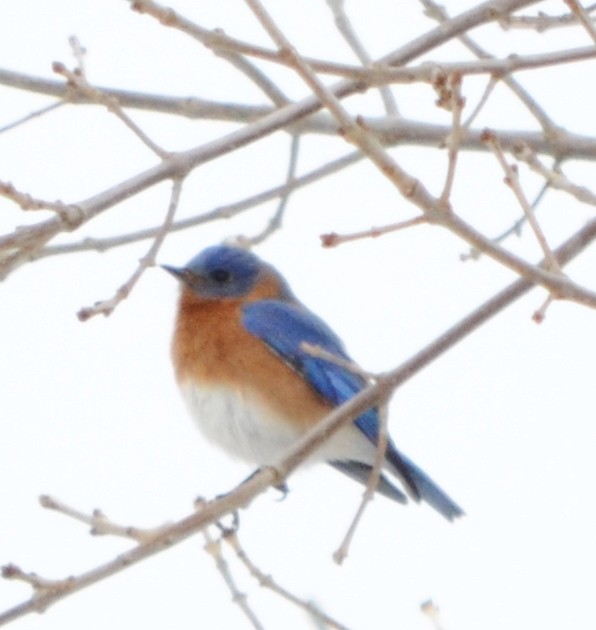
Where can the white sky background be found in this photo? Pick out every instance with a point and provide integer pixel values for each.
(90, 412)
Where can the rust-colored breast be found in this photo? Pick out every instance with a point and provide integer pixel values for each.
(211, 348)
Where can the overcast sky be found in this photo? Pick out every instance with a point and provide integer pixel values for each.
(91, 414)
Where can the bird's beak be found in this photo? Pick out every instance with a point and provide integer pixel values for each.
(179, 273)
(186, 276)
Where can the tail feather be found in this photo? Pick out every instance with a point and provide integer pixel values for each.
(431, 493)
(425, 487)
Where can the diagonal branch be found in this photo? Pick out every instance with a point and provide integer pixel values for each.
(106, 307)
(410, 187)
(372, 395)
(193, 107)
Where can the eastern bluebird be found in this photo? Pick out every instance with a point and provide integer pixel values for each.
(254, 389)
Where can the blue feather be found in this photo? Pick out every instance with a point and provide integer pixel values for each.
(284, 327)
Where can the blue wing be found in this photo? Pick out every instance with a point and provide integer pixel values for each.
(284, 327)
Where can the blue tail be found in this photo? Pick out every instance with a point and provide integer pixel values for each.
(420, 485)
(429, 491)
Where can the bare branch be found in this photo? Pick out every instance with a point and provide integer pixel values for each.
(36, 114)
(221, 213)
(326, 112)
(99, 523)
(368, 495)
(512, 180)
(70, 214)
(411, 188)
(213, 548)
(554, 176)
(540, 23)
(345, 27)
(516, 228)
(231, 538)
(333, 239)
(192, 107)
(320, 353)
(78, 82)
(583, 17)
(374, 394)
(277, 218)
(453, 102)
(550, 129)
(492, 83)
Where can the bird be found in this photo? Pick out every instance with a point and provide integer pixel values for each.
(254, 388)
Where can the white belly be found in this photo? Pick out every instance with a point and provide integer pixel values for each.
(245, 428)
(238, 424)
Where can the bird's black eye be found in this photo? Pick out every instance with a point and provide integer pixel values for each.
(220, 275)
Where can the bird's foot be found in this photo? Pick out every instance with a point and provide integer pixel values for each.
(283, 488)
(229, 530)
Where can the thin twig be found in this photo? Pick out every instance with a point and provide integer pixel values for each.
(345, 27)
(231, 538)
(79, 52)
(99, 523)
(275, 222)
(218, 42)
(516, 228)
(224, 212)
(192, 107)
(177, 532)
(490, 86)
(78, 82)
(439, 13)
(454, 102)
(583, 17)
(30, 240)
(67, 212)
(512, 180)
(26, 242)
(541, 22)
(554, 177)
(258, 77)
(106, 307)
(332, 239)
(36, 114)
(540, 313)
(213, 548)
(319, 352)
(368, 495)
(410, 187)
(20, 245)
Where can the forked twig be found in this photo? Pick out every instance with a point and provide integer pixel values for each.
(346, 28)
(267, 477)
(512, 180)
(410, 187)
(213, 548)
(77, 82)
(106, 307)
(231, 538)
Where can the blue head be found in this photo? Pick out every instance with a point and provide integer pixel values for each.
(223, 271)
